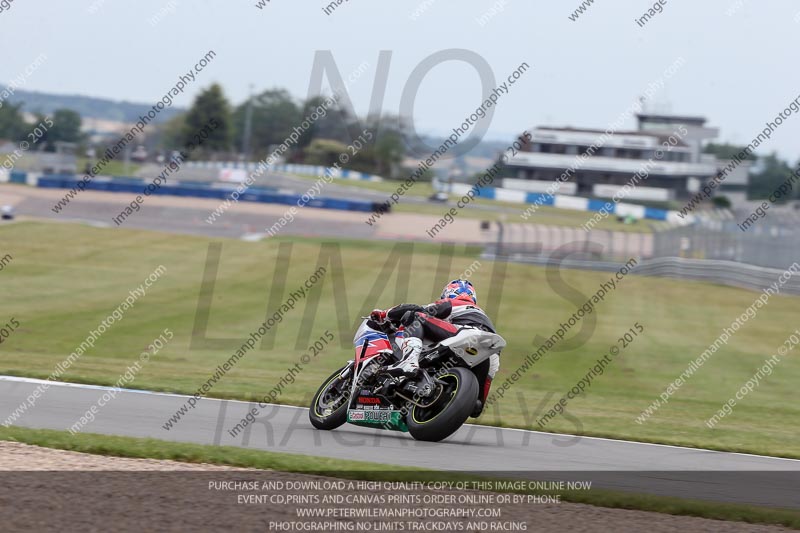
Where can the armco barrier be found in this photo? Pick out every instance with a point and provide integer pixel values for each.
(194, 190)
(744, 276)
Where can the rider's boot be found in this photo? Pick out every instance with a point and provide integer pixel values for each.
(410, 363)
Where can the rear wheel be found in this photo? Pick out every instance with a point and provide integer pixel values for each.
(452, 408)
(328, 409)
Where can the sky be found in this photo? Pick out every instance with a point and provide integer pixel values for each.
(738, 56)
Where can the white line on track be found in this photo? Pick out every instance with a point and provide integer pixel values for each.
(174, 395)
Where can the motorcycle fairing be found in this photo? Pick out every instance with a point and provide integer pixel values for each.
(474, 345)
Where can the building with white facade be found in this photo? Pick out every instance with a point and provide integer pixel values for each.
(665, 151)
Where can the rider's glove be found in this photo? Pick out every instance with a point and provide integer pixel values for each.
(378, 315)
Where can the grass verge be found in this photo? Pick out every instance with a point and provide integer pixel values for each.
(86, 273)
(245, 458)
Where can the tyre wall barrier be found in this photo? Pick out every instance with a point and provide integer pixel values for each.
(194, 190)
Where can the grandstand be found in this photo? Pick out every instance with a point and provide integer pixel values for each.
(613, 158)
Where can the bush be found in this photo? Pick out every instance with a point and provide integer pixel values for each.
(721, 201)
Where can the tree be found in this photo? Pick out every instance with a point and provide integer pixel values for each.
(172, 133)
(275, 114)
(772, 172)
(389, 151)
(383, 151)
(723, 202)
(312, 108)
(324, 152)
(337, 124)
(209, 113)
(66, 128)
(12, 125)
(726, 151)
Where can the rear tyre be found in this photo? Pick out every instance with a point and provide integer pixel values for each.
(328, 409)
(450, 411)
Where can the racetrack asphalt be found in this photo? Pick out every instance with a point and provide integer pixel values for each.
(613, 464)
(243, 220)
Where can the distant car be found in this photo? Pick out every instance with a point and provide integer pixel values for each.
(7, 213)
(140, 154)
(439, 196)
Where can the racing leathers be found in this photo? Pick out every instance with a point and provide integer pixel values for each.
(434, 323)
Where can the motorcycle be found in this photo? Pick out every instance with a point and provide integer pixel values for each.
(430, 405)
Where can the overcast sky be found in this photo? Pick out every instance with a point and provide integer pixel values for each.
(740, 70)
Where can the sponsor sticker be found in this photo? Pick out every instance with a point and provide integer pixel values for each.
(378, 416)
(369, 400)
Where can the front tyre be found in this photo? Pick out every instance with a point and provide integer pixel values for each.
(449, 411)
(328, 409)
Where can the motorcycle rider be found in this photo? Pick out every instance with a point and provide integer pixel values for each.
(435, 322)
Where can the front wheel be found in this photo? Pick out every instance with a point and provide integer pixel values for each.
(452, 408)
(328, 409)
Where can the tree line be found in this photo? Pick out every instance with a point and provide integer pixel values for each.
(274, 113)
(767, 173)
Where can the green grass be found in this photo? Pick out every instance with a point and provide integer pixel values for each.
(66, 278)
(247, 458)
(137, 448)
(115, 167)
(421, 189)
